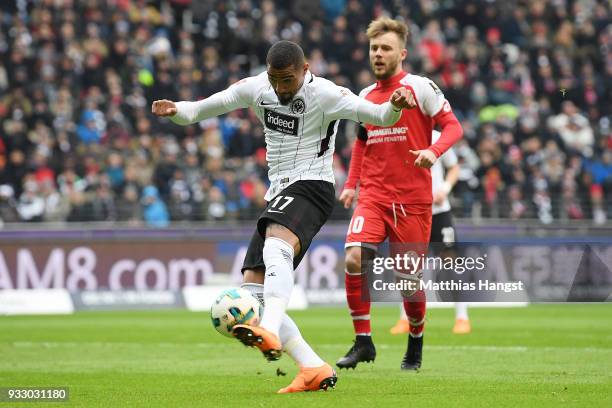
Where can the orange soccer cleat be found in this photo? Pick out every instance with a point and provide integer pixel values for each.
(402, 326)
(254, 336)
(462, 326)
(312, 379)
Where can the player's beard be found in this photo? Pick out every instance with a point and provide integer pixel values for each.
(388, 72)
(284, 99)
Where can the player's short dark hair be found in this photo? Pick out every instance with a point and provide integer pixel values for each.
(284, 54)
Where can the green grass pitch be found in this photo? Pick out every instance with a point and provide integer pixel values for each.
(543, 355)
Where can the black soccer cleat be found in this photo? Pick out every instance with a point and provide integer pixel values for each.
(414, 354)
(329, 382)
(363, 350)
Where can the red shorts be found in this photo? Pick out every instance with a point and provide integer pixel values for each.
(372, 223)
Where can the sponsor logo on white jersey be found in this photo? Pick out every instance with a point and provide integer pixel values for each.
(280, 122)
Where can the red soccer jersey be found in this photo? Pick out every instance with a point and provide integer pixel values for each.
(382, 161)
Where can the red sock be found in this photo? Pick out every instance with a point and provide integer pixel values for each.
(358, 300)
(415, 310)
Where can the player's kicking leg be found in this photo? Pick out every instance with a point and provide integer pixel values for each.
(288, 225)
(357, 297)
(278, 253)
(314, 373)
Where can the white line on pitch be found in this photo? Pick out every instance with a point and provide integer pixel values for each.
(58, 344)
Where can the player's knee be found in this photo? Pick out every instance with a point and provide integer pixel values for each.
(255, 275)
(352, 258)
(274, 230)
(277, 252)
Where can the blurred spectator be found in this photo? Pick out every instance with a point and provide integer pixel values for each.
(214, 207)
(31, 205)
(181, 198)
(115, 171)
(128, 205)
(102, 205)
(57, 206)
(155, 212)
(89, 131)
(574, 129)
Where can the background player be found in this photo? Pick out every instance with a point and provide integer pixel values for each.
(442, 229)
(392, 165)
(300, 114)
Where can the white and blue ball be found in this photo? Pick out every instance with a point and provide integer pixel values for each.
(232, 307)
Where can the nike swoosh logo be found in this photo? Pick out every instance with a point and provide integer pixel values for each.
(275, 211)
(310, 381)
(264, 103)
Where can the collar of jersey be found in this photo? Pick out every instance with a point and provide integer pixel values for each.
(308, 78)
(386, 83)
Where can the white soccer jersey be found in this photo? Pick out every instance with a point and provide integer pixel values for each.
(446, 161)
(300, 136)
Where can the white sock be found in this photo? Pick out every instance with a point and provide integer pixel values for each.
(289, 334)
(256, 290)
(274, 312)
(461, 312)
(403, 315)
(278, 284)
(295, 345)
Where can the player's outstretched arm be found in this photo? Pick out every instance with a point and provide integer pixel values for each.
(185, 113)
(341, 103)
(388, 113)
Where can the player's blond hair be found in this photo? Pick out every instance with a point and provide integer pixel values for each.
(384, 25)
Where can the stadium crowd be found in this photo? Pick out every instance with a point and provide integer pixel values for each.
(529, 80)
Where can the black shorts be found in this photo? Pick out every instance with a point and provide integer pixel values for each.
(303, 208)
(442, 229)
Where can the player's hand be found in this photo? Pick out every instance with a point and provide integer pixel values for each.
(164, 107)
(439, 196)
(425, 158)
(347, 196)
(402, 98)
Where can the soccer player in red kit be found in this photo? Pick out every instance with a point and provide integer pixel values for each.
(395, 199)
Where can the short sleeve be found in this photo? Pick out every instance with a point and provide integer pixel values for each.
(430, 97)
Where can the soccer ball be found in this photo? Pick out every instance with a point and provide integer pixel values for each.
(232, 307)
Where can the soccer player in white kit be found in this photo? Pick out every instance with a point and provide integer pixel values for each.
(442, 229)
(300, 113)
